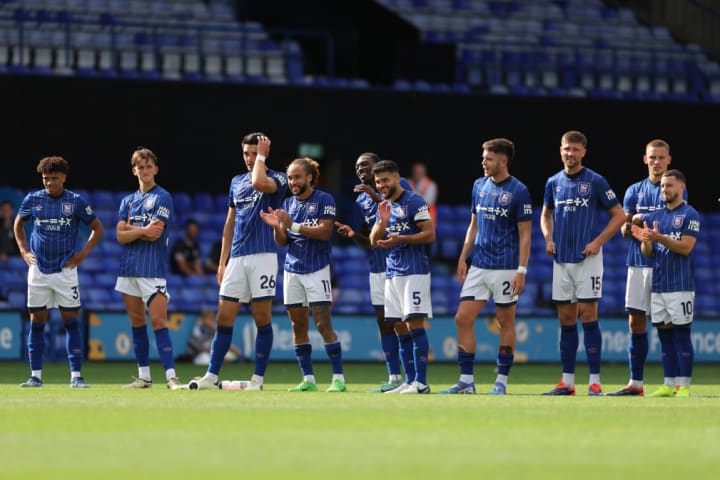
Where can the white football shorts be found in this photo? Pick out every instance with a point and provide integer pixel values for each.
(573, 282)
(53, 290)
(250, 278)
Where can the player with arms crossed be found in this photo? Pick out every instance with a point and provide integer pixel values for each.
(305, 225)
(250, 275)
(143, 229)
(574, 238)
(394, 336)
(404, 227)
(52, 260)
(498, 238)
(670, 241)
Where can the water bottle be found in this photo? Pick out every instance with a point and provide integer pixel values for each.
(234, 384)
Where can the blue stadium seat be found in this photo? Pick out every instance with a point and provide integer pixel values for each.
(221, 203)
(17, 264)
(105, 280)
(182, 201)
(354, 281)
(203, 202)
(96, 298)
(17, 300)
(103, 200)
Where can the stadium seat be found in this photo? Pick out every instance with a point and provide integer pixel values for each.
(103, 200)
(17, 300)
(203, 202)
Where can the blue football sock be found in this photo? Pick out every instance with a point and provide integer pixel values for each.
(220, 346)
(165, 348)
(334, 353)
(303, 353)
(593, 345)
(569, 342)
(637, 354)
(505, 359)
(421, 350)
(669, 355)
(684, 349)
(467, 362)
(36, 345)
(263, 346)
(406, 357)
(73, 344)
(391, 351)
(141, 345)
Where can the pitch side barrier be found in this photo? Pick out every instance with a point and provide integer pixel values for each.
(109, 338)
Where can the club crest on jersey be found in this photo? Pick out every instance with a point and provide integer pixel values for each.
(149, 202)
(67, 208)
(583, 188)
(505, 198)
(312, 209)
(678, 221)
(400, 211)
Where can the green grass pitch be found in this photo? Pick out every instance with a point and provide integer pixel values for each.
(107, 432)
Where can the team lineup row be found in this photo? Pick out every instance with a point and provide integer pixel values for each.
(268, 208)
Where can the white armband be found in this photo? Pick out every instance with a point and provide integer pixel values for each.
(260, 158)
(522, 270)
(295, 227)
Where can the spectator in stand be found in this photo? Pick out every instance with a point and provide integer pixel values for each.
(425, 187)
(200, 343)
(185, 255)
(8, 245)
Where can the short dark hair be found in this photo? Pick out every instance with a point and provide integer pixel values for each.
(502, 146)
(53, 165)
(372, 156)
(386, 166)
(675, 173)
(252, 138)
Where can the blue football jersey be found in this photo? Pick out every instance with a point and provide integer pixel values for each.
(307, 255)
(405, 214)
(55, 222)
(577, 202)
(142, 258)
(251, 234)
(674, 272)
(498, 208)
(643, 197)
(368, 210)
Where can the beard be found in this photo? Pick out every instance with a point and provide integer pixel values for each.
(391, 192)
(301, 189)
